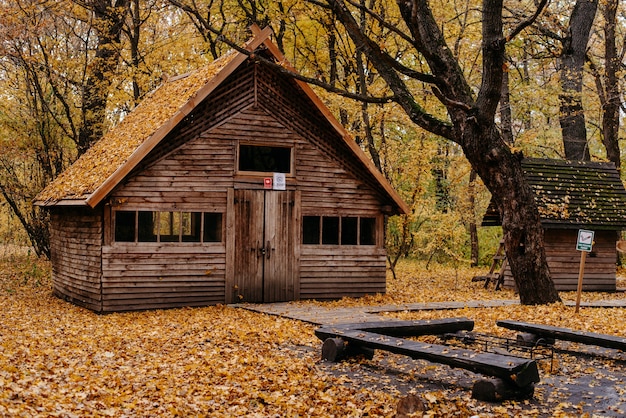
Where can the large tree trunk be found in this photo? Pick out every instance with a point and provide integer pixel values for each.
(109, 21)
(473, 229)
(501, 171)
(472, 126)
(610, 95)
(572, 116)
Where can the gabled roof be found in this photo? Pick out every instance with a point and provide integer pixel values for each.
(573, 194)
(97, 172)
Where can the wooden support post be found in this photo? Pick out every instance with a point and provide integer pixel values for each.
(333, 349)
(497, 390)
(581, 273)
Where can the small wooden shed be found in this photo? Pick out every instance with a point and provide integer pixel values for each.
(233, 183)
(573, 195)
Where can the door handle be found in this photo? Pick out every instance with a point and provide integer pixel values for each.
(268, 250)
(260, 251)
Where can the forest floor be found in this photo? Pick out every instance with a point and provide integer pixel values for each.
(57, 359)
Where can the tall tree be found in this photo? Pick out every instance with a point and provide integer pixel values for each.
(471, 123)
(571, 62)
(40, 67)
(108, 22)
(607, 83)
(59, 60)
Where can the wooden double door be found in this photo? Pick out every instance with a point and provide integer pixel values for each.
(266, 245)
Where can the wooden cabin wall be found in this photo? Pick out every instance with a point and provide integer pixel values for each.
(193, 169)
(332, 183)
(152, 275)
(564, 261)
(75, 248)
(146, 275)
(326, 272)
(196, 177)
(330, 272)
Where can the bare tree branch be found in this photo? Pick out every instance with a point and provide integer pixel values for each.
(523, 25)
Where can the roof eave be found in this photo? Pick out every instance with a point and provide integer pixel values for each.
(62, 202)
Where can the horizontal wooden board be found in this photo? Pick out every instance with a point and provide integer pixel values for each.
(76, 240)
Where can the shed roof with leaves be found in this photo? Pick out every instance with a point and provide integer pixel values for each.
(573, 194)
(97, 172)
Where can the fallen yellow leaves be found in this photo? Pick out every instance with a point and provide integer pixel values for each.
(60, 360)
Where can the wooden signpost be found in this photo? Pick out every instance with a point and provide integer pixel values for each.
(584, 245)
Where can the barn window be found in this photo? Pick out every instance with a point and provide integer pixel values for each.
(311, 229)
(146, 223)
(367, 234)
(125, 226)
(335, 230)
(168, 226)
(264, 158)
(212, 227)
(147, 226)
(330, 230)
(349, 229)
(191, 225)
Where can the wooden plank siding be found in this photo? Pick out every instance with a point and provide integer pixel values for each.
(195, 169)
(331, 272)
(75, 249)
(564, 261)
(279, 98)
(158, 275)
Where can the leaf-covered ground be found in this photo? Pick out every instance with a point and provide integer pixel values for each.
(60, 360)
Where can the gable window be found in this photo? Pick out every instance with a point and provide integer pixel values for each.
(147, 226)
(264, 158)
(338, 230)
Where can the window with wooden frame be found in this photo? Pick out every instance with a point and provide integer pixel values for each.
(165, 226)
(254, 158)
(338, 230)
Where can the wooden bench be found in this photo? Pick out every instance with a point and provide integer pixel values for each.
(517, 373)
(566, 334)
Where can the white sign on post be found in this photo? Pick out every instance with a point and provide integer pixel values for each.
(584, 245)
(585, 240)
(279, 181)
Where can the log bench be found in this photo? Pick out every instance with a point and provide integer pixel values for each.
(515, 376)
(566, 334)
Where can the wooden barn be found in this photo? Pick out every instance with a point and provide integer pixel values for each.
(573, 195)
(233, 183)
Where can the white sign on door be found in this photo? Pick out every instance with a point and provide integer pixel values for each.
(279, 181)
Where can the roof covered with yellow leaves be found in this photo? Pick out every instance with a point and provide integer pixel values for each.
(100, 162)
(94, 175)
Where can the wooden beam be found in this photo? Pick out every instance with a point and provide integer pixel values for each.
(567, 334)
(402, 328)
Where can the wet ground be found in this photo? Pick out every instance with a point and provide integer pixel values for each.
(576, 380)
(580, 384)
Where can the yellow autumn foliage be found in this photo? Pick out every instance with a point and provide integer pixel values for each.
(57, 359)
